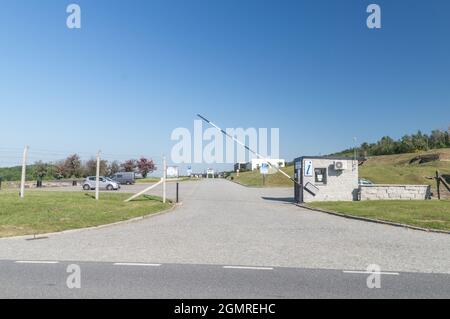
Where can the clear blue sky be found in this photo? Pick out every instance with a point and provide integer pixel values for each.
(143, 68)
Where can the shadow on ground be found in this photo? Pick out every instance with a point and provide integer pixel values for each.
(279, 199)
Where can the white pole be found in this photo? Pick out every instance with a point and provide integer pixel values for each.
(97, 179)
(24, 170)
(164, 178)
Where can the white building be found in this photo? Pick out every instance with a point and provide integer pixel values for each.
(257, 162)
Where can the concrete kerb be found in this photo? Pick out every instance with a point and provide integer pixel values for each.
(373, 220)
(131, 220)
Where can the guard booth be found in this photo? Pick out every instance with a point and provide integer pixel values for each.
(325, 179)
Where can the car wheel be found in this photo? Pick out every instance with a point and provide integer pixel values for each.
(109, 187)
(86, 187)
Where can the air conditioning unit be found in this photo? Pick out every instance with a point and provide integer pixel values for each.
(340, 165)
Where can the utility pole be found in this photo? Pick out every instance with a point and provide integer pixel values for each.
(97, 179)
(24, 171)
(164, 178)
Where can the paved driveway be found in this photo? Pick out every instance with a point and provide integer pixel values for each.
(223, 223)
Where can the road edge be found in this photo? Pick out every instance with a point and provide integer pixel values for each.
(373, 220)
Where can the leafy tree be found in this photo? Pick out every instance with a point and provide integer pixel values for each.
(113, 168)
(60, 170)
(40, 170)
(129, 165)
(438, 139)
(72, 166)
(145, 166)
(407, 144)
(420, 141)
(90, 168)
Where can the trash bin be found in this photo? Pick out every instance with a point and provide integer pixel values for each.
(74, 183)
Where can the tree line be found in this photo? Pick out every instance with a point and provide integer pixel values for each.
(407, 144)
(74, 167)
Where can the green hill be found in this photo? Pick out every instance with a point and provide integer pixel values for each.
(386, 169)
(397, 169)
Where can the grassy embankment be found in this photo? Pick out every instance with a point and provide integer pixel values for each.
(42, 212)
(389, 169)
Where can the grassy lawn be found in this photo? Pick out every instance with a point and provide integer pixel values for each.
(254, 178)
(43, 212)
(431, 214)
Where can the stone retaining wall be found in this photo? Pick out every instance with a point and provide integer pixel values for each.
(386, 192)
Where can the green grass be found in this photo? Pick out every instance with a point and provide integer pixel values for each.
(431, 214)
(42, 212)
(394, 169)
(147, 180)
(255, 179)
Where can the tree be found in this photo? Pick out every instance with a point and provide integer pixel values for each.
(72, 166)
(90, 168)
(420, 141)
(406, 145)
(129, 165)
(438, 139)
(60, 170)
(113, 168)
(40, 170)
(145, 166)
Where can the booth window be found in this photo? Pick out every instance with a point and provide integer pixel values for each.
(320, 175)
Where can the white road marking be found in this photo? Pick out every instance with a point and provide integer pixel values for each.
(246, 267)
(36, 262)
(370, 272)
(136, 264)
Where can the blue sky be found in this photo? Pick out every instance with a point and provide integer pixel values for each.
(143, 68)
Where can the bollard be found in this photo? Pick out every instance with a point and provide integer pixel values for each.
(177, 191)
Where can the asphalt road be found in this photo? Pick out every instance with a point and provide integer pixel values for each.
(109, 280)
(221, 223)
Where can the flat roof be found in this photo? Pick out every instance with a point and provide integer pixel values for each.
(339, 158)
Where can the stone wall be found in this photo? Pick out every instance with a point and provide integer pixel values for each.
(392, 192)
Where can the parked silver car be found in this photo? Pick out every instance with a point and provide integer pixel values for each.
(104, 183)
(363, 181)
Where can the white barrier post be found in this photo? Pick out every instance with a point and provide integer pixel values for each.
(97, 180)
(164, 178)
(24, 170)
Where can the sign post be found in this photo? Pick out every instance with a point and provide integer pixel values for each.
(264, 170)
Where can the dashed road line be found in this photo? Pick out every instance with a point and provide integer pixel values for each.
(370, 272)
(248, 267)
(36, 262)
(137, 264)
